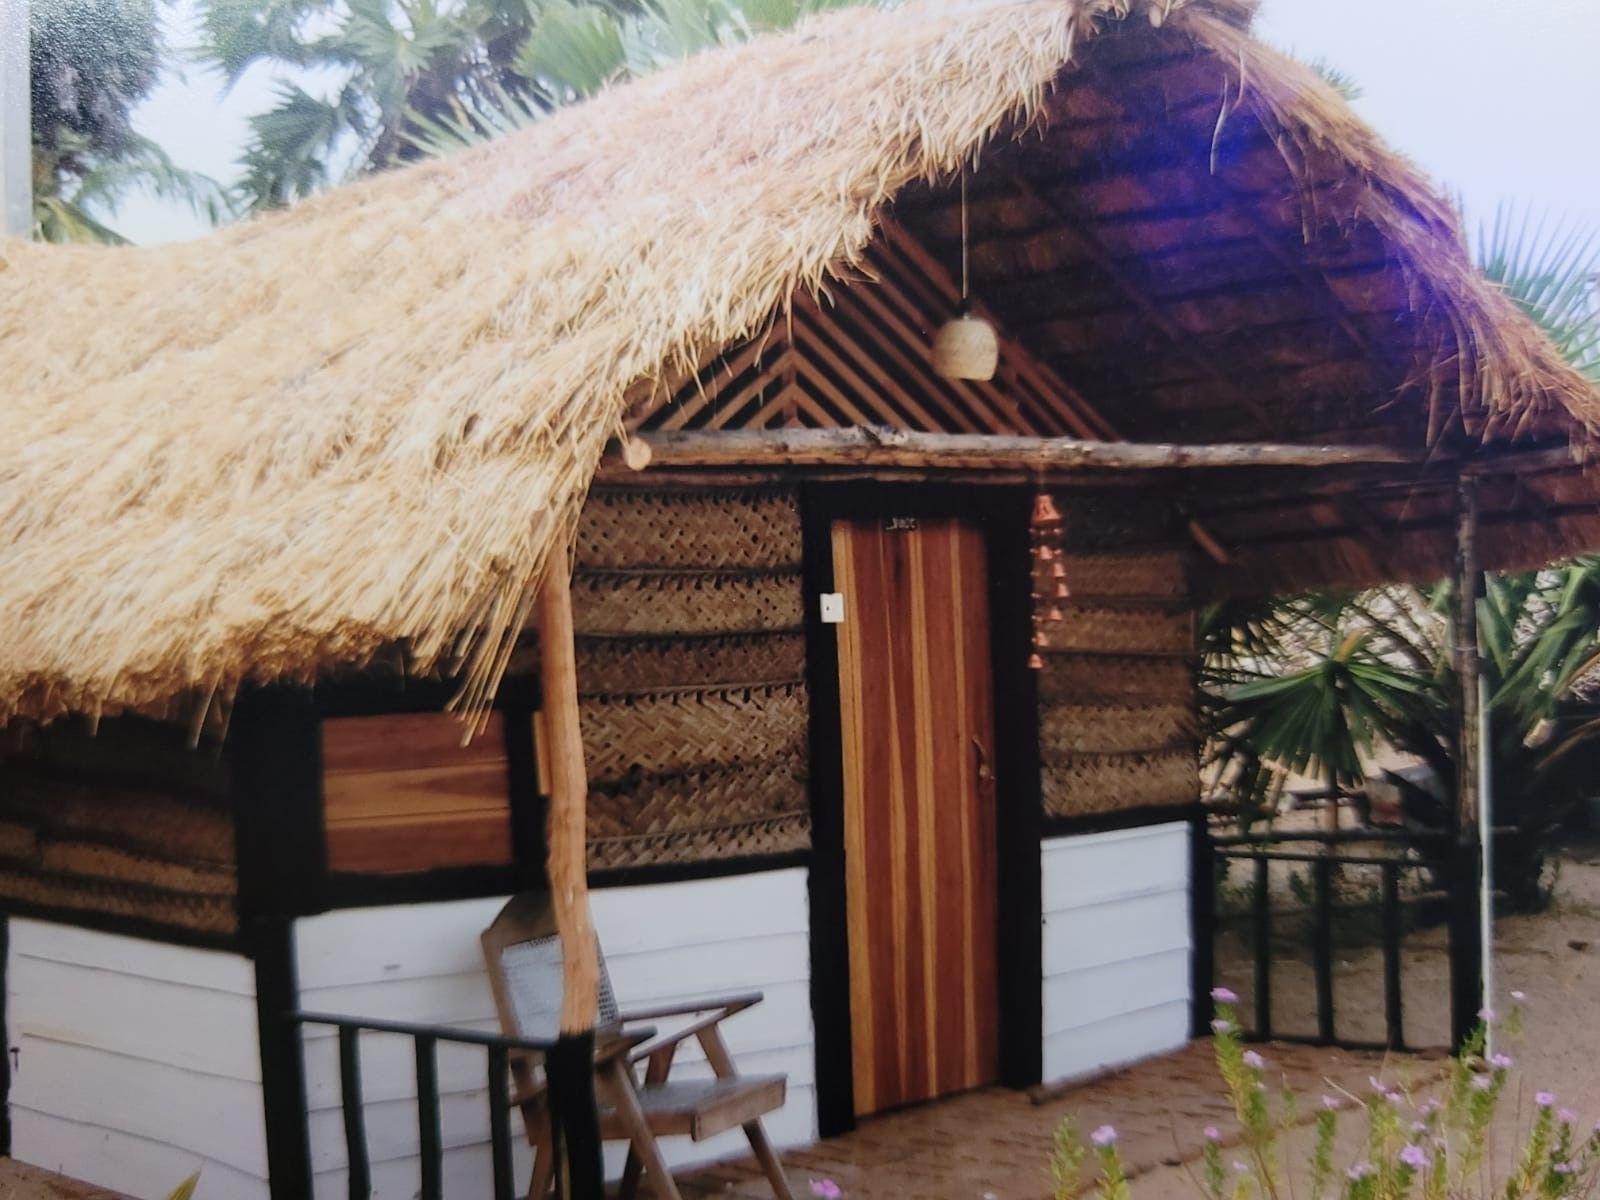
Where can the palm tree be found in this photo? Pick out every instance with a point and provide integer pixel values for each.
(1314, 684)
(91, 62)
(417, 77)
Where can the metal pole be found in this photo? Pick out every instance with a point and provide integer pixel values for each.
(1486, 850)
(16, 122)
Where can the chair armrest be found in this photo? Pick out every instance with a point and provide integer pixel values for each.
(616, 1045)
(686, 1008)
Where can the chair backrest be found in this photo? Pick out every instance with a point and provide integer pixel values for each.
(522, 951)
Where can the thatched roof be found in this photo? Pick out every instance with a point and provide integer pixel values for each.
(371, 419)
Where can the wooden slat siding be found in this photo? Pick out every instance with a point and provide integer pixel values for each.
(1116, 694)
(402, 794)
(919, 827)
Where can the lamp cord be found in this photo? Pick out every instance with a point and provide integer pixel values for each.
(963, 237)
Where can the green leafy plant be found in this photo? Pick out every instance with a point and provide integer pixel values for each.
(1425, 1144)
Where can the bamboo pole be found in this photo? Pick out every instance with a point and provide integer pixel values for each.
(1469, 946)
(877, 448)
(569, 795)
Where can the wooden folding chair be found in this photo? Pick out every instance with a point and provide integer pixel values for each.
(523, 953)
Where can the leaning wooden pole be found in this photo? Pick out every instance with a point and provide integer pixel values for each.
(571, 1062)
(1467, 947)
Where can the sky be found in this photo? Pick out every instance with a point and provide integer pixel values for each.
(1498, 100)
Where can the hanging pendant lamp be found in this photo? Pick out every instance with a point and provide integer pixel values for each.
(966, 346)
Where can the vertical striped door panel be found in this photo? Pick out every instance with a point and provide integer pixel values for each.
(917, 716)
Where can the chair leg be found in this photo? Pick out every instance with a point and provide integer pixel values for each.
(544, 1158)
(628, 1189)
(768, 1158)
(623, 1096)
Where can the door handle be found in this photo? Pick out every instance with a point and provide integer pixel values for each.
(981, 756)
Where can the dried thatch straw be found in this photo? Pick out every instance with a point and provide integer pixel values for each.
(373, 418)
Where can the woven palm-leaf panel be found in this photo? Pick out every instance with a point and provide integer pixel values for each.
(1120, 628)
(1117, 724)
(1132, 573)
(676, 732)
(624, 528)
(630, 664)
(1114, 679)
(752, 839)
(128, 823)
(210, 914)
(685, 603)
(1089, 784)
(1066, 729)
(691, 669)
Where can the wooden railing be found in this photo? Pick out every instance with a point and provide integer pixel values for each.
(1450, 877)
(570, 1078)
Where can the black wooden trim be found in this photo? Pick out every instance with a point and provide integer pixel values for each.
(374, 694)
(716, 868)
(5, 1039)
(529, 854)
(1129, 818)
(830, 945)
(283, 1070)
(275, 781)
(350, 889)
(1002, 514)
(1019, 817)
(139, 927)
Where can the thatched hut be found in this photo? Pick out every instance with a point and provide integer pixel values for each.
(278, 504)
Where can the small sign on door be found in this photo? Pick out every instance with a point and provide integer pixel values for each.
(832, 608)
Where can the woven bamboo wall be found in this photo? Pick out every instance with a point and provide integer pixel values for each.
(1116, 695)
(129, 824)
(691, 665)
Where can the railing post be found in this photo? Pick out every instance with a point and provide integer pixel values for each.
(1393, 1013)
(569, 1065)
(1322, 875)
(1262, 905)
(283, 1070)
(357, 1168)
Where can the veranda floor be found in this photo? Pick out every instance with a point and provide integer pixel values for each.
(994, 1144)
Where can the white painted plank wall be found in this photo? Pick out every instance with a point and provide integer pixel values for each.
(663, 942)
(1116, 947)
(138, 1062)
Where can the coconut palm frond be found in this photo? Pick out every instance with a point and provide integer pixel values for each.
(1551, 269)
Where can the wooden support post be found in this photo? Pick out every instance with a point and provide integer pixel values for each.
(571, 1063)
(1466, 943)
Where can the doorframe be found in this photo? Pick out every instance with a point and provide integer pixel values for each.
(1002, 514)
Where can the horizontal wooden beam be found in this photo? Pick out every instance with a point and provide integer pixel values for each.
(893, 449)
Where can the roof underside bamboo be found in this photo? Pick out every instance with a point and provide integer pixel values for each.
(370, 420)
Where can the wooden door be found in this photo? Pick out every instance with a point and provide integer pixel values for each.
(916, 708)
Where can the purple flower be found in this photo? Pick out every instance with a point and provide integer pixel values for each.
(1500, 1061)
(826, 1189)
(1429, 1106)
(1563, 1168)
(1486, 1013)
(1566, 1116)
(1378, 1085)
(1105, 1136)
(1544, 1099)
(1519, 997)
(1212, 1133)
(1395, 1098)
(1240, 1165)
(1221, 1026)
(1224, 995)
(1415, 1157)
(1482, 1083)
(1419, 1127)
(1253, 1060)
(1330, 1102)
(1358, 1172)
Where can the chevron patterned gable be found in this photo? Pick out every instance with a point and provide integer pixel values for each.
(860, 355)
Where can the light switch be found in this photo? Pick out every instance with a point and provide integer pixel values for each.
(832, 608)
